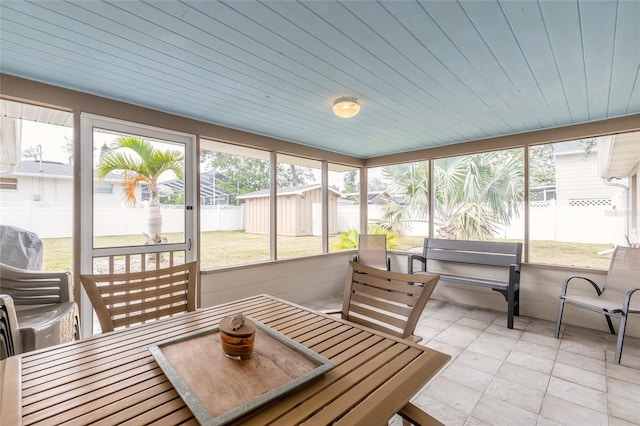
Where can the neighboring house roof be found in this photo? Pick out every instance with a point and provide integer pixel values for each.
(44, 168)
(53, 169)
(619, 155)
(292, 190)
(573, 147)
(382, 197)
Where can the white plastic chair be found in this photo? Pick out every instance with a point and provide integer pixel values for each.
(43, 304)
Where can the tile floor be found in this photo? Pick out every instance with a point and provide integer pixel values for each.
(522, 376)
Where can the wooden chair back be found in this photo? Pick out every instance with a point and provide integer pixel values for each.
(386, 301)
(125, 299)
(372, 250)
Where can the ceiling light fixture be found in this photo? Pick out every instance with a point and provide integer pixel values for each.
(346, 107)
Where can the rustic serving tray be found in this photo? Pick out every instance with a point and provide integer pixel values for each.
(219, 389)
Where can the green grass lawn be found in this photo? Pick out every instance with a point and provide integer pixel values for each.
(226, 248)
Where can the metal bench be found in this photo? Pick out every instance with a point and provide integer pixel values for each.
(447, 257)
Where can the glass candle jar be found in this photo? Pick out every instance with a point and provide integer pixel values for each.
(237, 342)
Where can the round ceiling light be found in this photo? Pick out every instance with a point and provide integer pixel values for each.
(346, 107)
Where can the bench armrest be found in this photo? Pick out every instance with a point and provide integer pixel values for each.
(419, 258)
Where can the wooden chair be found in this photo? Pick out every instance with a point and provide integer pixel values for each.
(390, 302)
(386, 301)
(615, 297)
(125, 299)
(372, 251)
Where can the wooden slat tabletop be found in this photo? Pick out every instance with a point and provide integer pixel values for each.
(113, 378)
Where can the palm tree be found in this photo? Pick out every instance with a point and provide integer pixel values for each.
(474, 194)
(141, 163)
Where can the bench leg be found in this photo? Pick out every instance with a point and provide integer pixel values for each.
(512, 296)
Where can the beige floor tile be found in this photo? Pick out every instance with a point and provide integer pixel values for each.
(516, 394)
(584, 362)
(451, 312)
(580, 347)
(543, 421)
(478, 318)
(442, 412)
(578, 394)
(538, 350)
(567, 413)
(616, 421)
(542, 327)
(540, 339)
(623, 372)
(580, 376)
(624, 409)
(524, 376)
(474, 421)
(489, 349)
(623, 389)
(480, 362)
(498, 339)
(467, 376)
(532, 362)
(453, 394)
(458, 335)
(429, 328)
(496, 412)
(575, 330)
(499, 326)
(444, 348)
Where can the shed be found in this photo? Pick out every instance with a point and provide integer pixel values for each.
(299, 208)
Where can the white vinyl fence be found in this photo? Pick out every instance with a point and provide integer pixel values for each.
(594, 221)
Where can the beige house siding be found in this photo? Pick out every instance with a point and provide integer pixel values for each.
(577, 177)
(295, 213)
(256, 215)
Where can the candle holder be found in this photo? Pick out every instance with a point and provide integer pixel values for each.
(237, 336)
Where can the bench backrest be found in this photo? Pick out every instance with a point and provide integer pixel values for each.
(624, 270)
(475, 252)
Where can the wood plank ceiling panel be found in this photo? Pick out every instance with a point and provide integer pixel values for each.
(624, 94)
(598, 32)
(426, 73)
(413, 62)
(562, 20)
(497, 33)
(525, 20)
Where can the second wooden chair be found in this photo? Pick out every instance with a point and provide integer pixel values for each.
(125, 299)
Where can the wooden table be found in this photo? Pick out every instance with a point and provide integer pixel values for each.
(113, 378)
